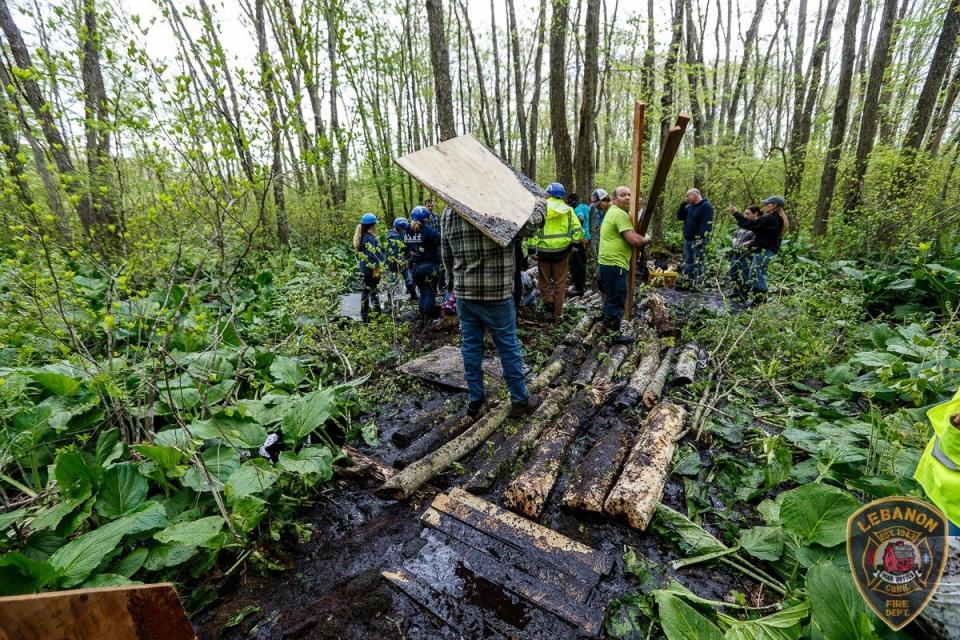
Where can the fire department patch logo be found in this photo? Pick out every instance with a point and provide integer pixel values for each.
(897, 548)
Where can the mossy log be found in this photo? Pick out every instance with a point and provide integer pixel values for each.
(577, 333)
(686, 369)
(611, 365)
(641, 377)
(363, 466)
(640, 487)
(443, 432)
(414, 429)
(659, 318)
(590, 364)
(599, 469)
(484, 477)
(420, 472)
(654, 390)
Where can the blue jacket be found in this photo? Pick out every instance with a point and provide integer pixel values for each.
(424, 247)
(697, 219)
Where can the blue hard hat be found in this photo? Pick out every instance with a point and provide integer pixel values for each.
(401, 223)
(556, 190)
(368, 218)
(419, 214)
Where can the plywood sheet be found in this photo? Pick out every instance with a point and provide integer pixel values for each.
(136, 612)
(445, 366)
(477, 184)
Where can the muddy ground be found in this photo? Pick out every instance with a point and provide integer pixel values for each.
(334, 588)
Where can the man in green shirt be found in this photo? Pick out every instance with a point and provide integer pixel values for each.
(617, 240)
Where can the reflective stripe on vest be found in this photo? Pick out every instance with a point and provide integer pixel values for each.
(942, 457)
(559, 239)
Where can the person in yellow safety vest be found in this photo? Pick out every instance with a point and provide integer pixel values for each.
(939, 469)
(559, 232)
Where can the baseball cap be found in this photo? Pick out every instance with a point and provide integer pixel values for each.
(600, 194)
(775, 200)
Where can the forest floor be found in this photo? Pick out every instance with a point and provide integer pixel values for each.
(334, 587)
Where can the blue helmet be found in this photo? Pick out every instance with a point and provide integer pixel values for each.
(368, 218)
(419, 214)
(556, 190)
(401, 223)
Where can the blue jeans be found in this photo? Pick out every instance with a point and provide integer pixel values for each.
(694, 255)
(740, 269)
(952, 530)
(758, 270)
(425, 275)
(500, 317)
(612, 282)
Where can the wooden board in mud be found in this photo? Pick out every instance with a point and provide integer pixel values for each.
(445, 366)
(135, 612)
(476, 183)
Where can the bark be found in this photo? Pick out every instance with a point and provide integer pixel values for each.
(828, 180)
(485, 126)
(422, 471)
(589, 368)
(415, 428)
(799, 78)
(654, 390)
(584, 160)
(611, 365)
(740, 86)
(659, 318)
(696, 79)
(686, 370)
(338, 186)
(942, 121)
(518, 83)
(443, 432)
(363, 466)
(640, 487)
(531, 169)
(440, 61)
(641, 378)
(903, 178)
(888, 121)
(648, 70)
(599, 470)
(871, 101)
(497, 92)
(800, 135)
(558, 89)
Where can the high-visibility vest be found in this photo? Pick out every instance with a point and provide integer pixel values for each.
(939, 469)
(560, 228)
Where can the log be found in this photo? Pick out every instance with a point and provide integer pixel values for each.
(363, 466)
(483, 478)
(599, 469)
(577, 333)
(668, 152)
(589, 368)
(659, 318)
(412, 430)
(686, 369)
(443, 432)
(420, 472)
(640, 487)
(651, 395)
(641, 377)
(611, 365)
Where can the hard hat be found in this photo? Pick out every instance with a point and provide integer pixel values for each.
(401, 223)
(556, 190)
(368, 218)
(419, 214)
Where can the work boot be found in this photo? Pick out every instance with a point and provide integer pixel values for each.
(624, 338)
(518, 409)
(474, 407)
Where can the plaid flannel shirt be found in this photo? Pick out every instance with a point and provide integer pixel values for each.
(482, 270)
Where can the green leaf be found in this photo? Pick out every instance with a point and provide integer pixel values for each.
(875, 358)
(244, 433)
(763, 543)
(42, 544)
(317, 460)
(905, 284)
(50, 518)
(247, 512)
(108, 580)
(220, 462)
(10, 517)
(251, 477)
(288, 371)
(56, 383)
(370, 434)
(109, 447)
(680, 621)
(691, 537)
(168, 555)
(838, 608)
(75, 560)
(74, 476)
(122, 490)
(19, 574)
(783, 625)
(131, 563)
(818, 513)
(192, 533)
(307, 414)
(165, 457)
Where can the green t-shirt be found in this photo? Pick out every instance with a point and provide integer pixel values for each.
(615, 251)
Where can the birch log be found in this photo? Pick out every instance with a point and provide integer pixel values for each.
(640, 487)
(420, 472)
(641, 377)
(659, 318)
(651, 395)
(599, 470)
(686, 369)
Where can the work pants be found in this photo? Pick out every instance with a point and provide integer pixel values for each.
(552, 280)
(694, 256)
(612, 282)
(425, 275)
(578, 267)
(500, 317)
(369, 295)
(758, 270)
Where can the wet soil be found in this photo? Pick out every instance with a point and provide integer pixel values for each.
(334, 587)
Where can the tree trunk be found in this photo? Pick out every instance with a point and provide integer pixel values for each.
(868, 118)
(828, 180)
(558, 89)
(942, 121)
(518, 83)
(485, 123)
(888, 123)
(799, 79)
(641, 378)
(584, 161)
(740, 86)
(654, 390)
(497, 93)
(440, 61)
(647, 74)
(338, 188)
(599, 469)
(695, 78)
(531, 169)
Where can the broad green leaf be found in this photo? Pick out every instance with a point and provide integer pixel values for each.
(251, 477)
(764, 543)
(122, 490)
(818, 513)
(309, 460)
(875, 358)
(8, 518)
(109, 447)
(905, 284)
(837, 607)
(19, 574)
(74, 476)
(680, 621)
(288, 371)
(783, 625)
(50, 518)
(165, 457)
(57, 383)
(693, 538)
(108, 580)
(168, 555)
(247, 512)
(220, 462)
(131, 563)
(245, 433)
(42, 544)
(307, 414)
(191, 533)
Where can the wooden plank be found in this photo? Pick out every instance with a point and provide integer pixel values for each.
(549, 546)
(481, 187)
(444, 366)
(667, 155)
(571, 586)
(134, 612)
(443, 607)
(638, 111)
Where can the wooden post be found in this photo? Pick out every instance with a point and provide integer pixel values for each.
(667, 154)
(638, 110)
